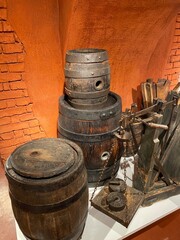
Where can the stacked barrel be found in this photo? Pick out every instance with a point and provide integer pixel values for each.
(89, 113)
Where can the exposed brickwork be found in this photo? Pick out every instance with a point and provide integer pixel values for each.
(172, 70)
(17, 121)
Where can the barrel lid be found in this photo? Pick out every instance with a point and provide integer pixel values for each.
(43, 158)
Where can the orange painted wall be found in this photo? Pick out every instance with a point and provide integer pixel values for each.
(37, 25)
(129, 30)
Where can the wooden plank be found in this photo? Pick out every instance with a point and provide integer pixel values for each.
(145, 167)
(163, 86)
(134, 200)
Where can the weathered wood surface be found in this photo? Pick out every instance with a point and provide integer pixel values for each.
(52, 207)
(134, 200)
(87, 77)
(93, 130)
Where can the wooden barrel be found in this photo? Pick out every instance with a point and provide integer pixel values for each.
(48, 189)
(87, 77)
(93, 130)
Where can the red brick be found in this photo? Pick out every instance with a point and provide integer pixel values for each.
(178, 25)
(8, 58)
(11, 103)
(7, 27)
(7, 38)
(38, 135)
(17, 40)
(8, 77)
(175, 58)
(18, 133)
(169, 66)
(177, 32)
(175, 76)
(14, 126)
(32, 130)
(170, 71)
(15, 141)
(26, 94)
(26, 117)
(175, 39)
(4, 158)
(15, 119)
(5, 121)
(3, 13)
(178, 18)
(173, 52)
(6, 86)
(33, 123)
(175, 45)
(6, 151)
(11, 94)
(178, 52)
(12, 48)
(29, 108)
(23, 140)
(3, 68)
(26, 131)
(168, 77)
(2, 105)
(23, 101)
(13, 111)
(6, 136)
(16, 67)
(18, 85)
(1, 27)
(20, 57)
(1, 87)
(6, 143)
(3, 4)
(176, 64)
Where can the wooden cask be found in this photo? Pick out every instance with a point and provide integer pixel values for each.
(48, 189)
(87, 78)
(93, 130)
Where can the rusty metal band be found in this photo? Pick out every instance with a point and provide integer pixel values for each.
(48, 184)
(95, 114)
(104, 78)
(95, 94)
(86, 55)
(87, 73)
(87, 105)
(48, 208)
(91, 138)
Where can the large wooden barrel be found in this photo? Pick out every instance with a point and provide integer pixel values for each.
(48, 189)
(87, 77)
(93, 130)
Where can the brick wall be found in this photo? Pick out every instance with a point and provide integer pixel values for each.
(17, 121)
(172, 70)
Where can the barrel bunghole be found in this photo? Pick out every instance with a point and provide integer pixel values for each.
(87, 78)
(93, 130)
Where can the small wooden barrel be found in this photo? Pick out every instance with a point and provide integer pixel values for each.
(48, 189)
(93, 130)
(87, 78)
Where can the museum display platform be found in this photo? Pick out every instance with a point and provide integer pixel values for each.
(100, 226)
